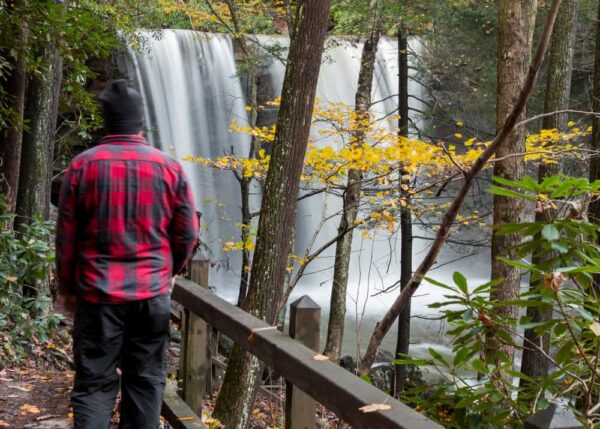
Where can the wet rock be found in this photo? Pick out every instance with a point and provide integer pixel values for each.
(347, 362)
(382, 375)
(384, 356)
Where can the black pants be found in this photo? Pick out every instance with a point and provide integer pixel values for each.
(133, 335)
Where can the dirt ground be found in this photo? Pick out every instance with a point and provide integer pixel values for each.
(35, 398)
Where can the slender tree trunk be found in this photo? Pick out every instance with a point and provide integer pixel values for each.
(594, 209)
(278, 207)
(11, 137)
(558, 88)
(514, 48)
(343, 250)
(245, 185)
(406, 238)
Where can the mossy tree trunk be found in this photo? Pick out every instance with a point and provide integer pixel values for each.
(38, 140)
(351, 197)
(558, 88)
(278, 209)
(594, 209)
(11, 136)
(515, 29)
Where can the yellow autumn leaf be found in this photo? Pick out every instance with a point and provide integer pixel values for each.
(32, 409)
(458, 135)
(371, 408)
(459, 123)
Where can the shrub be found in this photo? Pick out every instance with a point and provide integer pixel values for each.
(562, 257)
(26, 261)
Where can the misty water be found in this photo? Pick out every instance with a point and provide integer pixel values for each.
(192, 93)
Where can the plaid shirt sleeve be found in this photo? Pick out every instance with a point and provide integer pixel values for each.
(66, 234)
(183, 230)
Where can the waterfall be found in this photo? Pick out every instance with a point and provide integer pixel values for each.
(192, 93)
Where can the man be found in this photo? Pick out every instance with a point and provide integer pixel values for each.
(127, 223)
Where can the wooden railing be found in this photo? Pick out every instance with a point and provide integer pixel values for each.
(202, 315)
(308, 380)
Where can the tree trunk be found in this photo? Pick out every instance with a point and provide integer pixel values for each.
(12, 136)
(406, 238)
(343, 249)
(514, 49)
(278, 207)
(594, 209)
(38, 141)
(558, 88)
(245, 185)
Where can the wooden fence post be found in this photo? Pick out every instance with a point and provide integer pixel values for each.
(553, 417)
(305, 326)
(195, 363)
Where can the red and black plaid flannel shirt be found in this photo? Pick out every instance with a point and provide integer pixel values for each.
(126, 223)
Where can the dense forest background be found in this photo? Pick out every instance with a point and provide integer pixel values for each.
(487, 160)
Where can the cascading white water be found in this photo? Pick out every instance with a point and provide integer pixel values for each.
(192, 94)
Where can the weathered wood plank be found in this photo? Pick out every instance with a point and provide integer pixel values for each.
(195, 361)
(305, 326)
(177, 412)
(329, 384)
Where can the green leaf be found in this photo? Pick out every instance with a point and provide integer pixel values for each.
(437, 356)
(479, 366)
(461, 282)
(436, 283)
(495, 190)
(550, 232)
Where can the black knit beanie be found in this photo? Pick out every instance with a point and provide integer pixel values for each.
(122, 108)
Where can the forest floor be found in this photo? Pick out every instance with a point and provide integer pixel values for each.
(34, 394)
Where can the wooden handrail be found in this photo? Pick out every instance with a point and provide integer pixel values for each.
(329, 384)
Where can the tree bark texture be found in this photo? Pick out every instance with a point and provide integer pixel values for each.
(12, 136)
(514, 50)
(558, 88)
(406, 237)
(383, 326)
(594, 209)
(351, 197)
(38, 141)
(278, 208)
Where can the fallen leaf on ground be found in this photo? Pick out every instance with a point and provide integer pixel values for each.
(30, 409)
(320, 357)
(371, 408)
(595, 328)
(3, 424)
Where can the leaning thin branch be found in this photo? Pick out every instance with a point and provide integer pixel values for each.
(385, 324)
(557, 112)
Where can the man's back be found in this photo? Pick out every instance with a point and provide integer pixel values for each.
(126, 225)
(127, 221)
